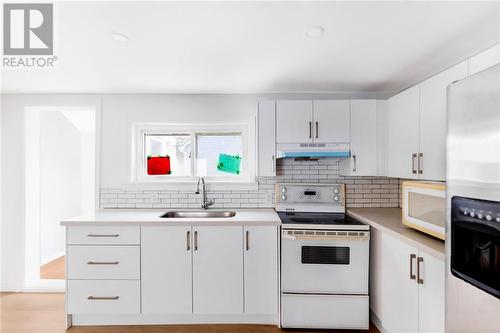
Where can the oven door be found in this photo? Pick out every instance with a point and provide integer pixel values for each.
(324, 261)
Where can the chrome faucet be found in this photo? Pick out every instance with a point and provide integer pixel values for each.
(204, 202)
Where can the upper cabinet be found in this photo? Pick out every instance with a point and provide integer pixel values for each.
(294, 121)
(417, 128)
(432, 150)
(322, 121)
(483, 60)
(266, 139)
(331, 121)
(363, 129)
(403, 134)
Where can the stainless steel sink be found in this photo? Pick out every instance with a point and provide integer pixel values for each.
(198, 214)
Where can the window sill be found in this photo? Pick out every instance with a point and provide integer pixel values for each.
(190, 185)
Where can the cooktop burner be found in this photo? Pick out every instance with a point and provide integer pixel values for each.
(318, 218)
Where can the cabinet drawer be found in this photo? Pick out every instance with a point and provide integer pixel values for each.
(103, 262)
(325, 311)
(103, 297)
(103, 235)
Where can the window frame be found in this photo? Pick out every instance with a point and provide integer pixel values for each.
(140, 130)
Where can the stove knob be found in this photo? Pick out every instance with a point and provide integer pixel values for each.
(283, 190)
(283, 197)
(336, 198)
(479, 215)
(488, 217)
(466, 211)
(498, 219)
(336, 191)
(472, 214)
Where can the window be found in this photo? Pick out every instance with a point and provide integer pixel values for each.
(185, 152)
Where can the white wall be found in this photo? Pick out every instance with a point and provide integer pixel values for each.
(60, 180)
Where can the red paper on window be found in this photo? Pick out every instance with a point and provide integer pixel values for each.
(159, 165)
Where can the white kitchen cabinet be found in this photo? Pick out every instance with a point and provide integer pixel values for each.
(432, 147)
(403, 139)
(266, 138)
(399, 293)
(364, 157)
(485, 59)
(331, 121)
(218, 270)
(405, 298)
(294, 121)
(261, 270)
(431, 298)
(166, 265)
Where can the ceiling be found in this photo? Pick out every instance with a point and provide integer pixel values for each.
(256, 47)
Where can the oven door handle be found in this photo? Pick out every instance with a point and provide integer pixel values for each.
(327, 237)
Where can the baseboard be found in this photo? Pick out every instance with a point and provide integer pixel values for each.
(146, 319)
(377, 322)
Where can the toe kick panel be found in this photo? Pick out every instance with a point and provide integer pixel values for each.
(325, 311)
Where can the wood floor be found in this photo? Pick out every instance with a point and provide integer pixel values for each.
(44, 313)
(53, 270)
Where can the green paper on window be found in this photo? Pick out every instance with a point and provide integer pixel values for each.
(229, 163)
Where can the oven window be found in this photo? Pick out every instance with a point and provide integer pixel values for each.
(325, 255)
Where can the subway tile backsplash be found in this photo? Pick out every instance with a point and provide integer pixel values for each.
(360, 191)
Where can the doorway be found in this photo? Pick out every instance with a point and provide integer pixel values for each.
(60, 183)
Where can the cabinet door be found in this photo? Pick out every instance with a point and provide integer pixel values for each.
(217, 270)
(433, 122)
(364, 157)
(399, 295)
(261, 270)
(294, 121)
(431, 294)
(403, 137)
(166, 270)
(331, 121)
(485, 59)
(266, 129)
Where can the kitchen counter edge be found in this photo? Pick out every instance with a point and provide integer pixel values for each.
(129, 217)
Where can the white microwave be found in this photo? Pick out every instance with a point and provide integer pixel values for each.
(424, 207)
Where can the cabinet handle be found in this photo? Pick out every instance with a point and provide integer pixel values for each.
(103, 263)
(412, 257)
(420, 163)
(273, 165)
(246, 240)
(188, 241)
(196, 240)
(413, 157)
(102, 235)
(310, 130)
(317, 130)
(419, 279)
(97, 298)
(354, 163)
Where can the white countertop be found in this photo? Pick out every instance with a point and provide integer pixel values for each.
(140, 217)
(390, 220)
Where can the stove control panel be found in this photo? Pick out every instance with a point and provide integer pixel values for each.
(319, 197)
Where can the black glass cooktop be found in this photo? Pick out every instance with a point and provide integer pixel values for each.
(318, 218)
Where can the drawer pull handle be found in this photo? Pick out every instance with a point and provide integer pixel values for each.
(103, 263)
(97, 298)
(99, 235)
(412, 257)
(420, 260)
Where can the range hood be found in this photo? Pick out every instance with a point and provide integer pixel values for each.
(315, 150)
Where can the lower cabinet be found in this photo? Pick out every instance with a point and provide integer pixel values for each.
(209, 270)
(217, 270)
(166, 270)
(406, 286)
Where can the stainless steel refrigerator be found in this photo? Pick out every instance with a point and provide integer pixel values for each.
(473, 204)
